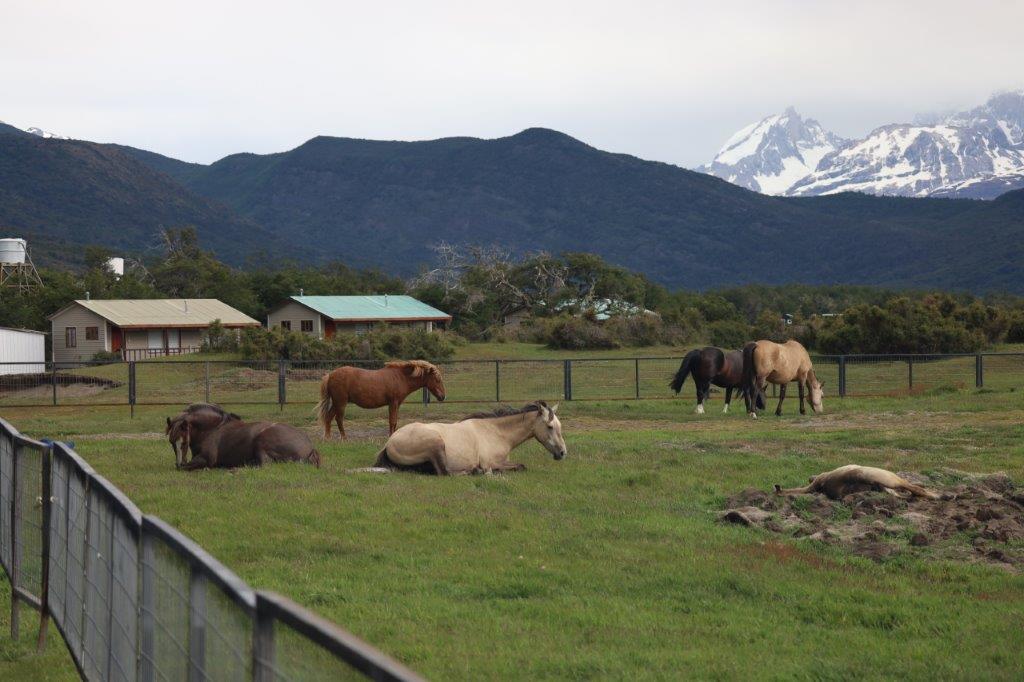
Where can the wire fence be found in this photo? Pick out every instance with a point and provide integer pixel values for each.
(134, 599)
(174, 382)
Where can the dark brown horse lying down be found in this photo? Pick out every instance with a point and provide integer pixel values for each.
(853, 478)
(217, 438)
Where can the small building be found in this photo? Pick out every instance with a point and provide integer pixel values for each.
(138, 329)
(326, 316)
(19, 346)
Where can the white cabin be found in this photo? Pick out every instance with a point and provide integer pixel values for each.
(22, 346)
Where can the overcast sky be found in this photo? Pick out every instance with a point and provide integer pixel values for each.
(662, 80)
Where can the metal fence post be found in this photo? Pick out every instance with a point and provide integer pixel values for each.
(979, 371)
(15, 625)
(281, 397)
(636, 376)
(206, 379)
(197, 625)
(44, 590)
(910, 374)
(147, 607)
(53, 382)
(842, 376)
(426, 395)
(567, 379)
(497, 381)
(131, 387)
(263, 647)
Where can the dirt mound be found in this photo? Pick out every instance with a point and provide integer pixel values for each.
(980, 518)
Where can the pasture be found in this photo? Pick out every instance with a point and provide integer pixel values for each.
(608, 564)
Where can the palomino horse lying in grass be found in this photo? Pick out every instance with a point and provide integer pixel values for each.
(779, 363)
(370, 388)
(853, 478)
(221, 439)
(708, 366)
(480, 443)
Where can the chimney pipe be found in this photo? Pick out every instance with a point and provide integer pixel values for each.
(302, 292)
(385, 300)
(87, 295)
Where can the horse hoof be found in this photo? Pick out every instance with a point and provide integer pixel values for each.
(725, 410)
(700, 409)
(753, 415)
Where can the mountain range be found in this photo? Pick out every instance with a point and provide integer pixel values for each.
(383, 204)
(976, 154)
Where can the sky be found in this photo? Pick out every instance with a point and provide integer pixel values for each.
(668, 81)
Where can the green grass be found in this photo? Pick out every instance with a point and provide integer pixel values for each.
(608, 564)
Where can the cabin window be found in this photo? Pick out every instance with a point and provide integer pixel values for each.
(307, 325)
(286, 324)
(92, 333)
(71, 337)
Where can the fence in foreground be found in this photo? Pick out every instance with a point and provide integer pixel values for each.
(134, 599)
(177, 382)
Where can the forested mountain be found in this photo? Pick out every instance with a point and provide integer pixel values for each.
(383, 204)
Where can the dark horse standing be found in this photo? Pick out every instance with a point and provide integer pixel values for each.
(711, 365)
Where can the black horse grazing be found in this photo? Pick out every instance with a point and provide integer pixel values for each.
(217, 438)
(711, 365)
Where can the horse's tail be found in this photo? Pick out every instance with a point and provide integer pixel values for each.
(685, 368)
(750, 387)
(383, 460)
(325, 408)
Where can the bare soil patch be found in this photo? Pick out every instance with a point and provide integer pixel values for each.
(979, 519)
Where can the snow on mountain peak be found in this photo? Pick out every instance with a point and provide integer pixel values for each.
(977, 153)
(770, 155)
(39, 132)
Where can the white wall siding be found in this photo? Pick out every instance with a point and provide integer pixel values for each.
(21, 346)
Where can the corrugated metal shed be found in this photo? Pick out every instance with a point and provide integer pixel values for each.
(22, 345)
(340, 308)
(165, 312)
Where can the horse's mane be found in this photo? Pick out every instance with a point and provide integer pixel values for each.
(419, 366)
(507, 411)
(197, 407)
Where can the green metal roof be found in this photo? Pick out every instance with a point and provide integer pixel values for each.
(371, 307)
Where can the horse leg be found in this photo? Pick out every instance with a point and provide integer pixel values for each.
(728, 399)
(700, 397)
(782, 396)
(510, 466)
(339, 417)
(392, 417)
(197, 462)
(800, 389)
(437, 459)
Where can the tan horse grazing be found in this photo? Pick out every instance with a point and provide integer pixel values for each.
(370, 388)
(779, 363)
(853, 478)
(480, 443)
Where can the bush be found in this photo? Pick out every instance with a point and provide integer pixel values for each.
(643, 330)
(217, 339)
(381, 344)
(729, 334)
(577, 333)
(106, 356)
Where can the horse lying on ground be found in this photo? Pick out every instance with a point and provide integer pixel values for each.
(480, 443)
(853, 478)
(779, 363)
(711, 365)
(217, 438)
(371, 388)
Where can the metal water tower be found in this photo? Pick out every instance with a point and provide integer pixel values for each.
(16, 268)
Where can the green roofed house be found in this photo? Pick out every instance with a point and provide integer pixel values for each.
(326, 316)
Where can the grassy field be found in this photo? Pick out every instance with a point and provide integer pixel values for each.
(608, 564)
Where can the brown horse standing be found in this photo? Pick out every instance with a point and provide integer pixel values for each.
(779, 363)
(710, 365)
(370, 388)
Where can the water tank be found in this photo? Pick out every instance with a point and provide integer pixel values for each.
(12, 251)
(116, 265)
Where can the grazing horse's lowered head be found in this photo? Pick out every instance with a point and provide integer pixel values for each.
(430, 374)
(194, 421)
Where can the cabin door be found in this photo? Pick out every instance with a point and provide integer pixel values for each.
(173, 339)
(116, 339)
(329, 328)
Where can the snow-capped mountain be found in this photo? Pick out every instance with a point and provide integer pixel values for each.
(771, 155)
(46, 134)
(976, 154)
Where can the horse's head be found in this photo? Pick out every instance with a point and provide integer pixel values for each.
(179, 434)
(429, 374)
(816, 395)
(548, 430)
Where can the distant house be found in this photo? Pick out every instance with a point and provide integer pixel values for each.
(138, 329)
(20, 346)
(599, 309)
(326, 316)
